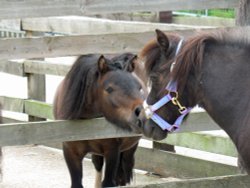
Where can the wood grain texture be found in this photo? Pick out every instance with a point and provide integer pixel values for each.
(40, 8)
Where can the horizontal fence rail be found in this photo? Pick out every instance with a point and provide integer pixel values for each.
(176, 165)
(72, 45)
(198, 121)
(242, 181)
(58, 131)
(87, 25)
(118, 6)
(213, 143)
(41, 8)
(55, 46)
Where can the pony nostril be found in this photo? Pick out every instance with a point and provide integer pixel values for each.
(139, 123)
(138, 110)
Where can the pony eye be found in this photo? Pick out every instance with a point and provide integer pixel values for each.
(109, 89)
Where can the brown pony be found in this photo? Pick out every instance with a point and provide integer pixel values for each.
(127, 62)
(211, 70)
(94, 87)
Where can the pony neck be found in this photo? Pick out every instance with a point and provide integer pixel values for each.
(225, 94)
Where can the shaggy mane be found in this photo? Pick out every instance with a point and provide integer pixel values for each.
(190, 58)
(77, 84)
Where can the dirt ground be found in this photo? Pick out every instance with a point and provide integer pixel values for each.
(40, 167)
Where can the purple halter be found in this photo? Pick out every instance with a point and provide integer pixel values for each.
(172, 89)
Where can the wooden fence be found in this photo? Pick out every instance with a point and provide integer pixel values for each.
(40, 8)
(124, 40)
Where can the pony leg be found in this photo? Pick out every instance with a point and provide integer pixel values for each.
(125, 171)
(241, 165)
(74, 159)
(97, 160)
(112, 161)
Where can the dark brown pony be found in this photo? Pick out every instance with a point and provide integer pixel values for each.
(211, 70)
(95, 87)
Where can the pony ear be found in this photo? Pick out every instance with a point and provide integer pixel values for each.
(162, 40)
(102, 64)
(132, 63)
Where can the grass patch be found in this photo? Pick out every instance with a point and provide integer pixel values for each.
(224, 13)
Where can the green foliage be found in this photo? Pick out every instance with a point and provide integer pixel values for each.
(225, 13)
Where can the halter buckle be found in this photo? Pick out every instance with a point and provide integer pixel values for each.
(182, 109)
(177, 103)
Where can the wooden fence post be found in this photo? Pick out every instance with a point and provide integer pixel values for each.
(243, 13)
(36, 90)
(165, 17)
(36, 86)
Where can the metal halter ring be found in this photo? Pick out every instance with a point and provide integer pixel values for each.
(177, 103)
